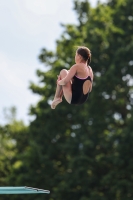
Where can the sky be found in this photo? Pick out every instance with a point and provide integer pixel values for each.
(26, 26)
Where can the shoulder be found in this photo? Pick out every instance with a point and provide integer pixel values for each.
(73, 68)
(77, 67)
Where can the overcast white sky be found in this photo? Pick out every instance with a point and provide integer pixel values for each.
(26, 26)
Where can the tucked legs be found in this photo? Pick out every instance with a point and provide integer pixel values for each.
(62, 90)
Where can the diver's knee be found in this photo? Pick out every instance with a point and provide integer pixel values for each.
(63, 72)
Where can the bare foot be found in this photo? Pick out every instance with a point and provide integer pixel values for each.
(55, 102)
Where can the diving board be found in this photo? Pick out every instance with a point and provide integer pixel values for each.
(22, 190)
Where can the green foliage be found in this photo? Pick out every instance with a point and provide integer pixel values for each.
(13, 146)
(83, 152)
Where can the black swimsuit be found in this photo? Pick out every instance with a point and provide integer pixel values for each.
(78, 97)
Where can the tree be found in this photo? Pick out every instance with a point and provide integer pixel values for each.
(13, 142)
